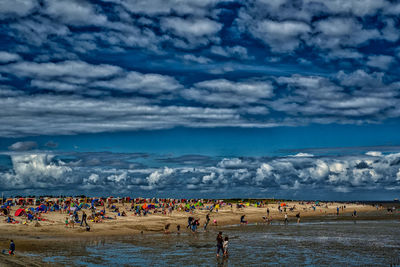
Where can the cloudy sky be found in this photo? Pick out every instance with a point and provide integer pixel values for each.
(203, 98)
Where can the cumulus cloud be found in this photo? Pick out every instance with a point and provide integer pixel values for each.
(157, 177)
(35, 171)
(281, 36)
(22, 146)
(277, 175)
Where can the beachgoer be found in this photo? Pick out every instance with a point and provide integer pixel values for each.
(71, 220)
(298, 217)
(195, 223)
(267, 212)
(178, 229)
(354, 213)
(286, 219)
(337, 211)
(242, 220)
(84, 219)
(166, 228)
(207, 221)
(225, 246)
(12, 247)
(220, 245)
(190, 219)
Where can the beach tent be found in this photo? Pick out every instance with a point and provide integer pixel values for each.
(19, 212)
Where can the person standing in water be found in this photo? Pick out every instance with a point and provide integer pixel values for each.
(225, 246)
(286, 222)
(298, 217)
(220, 244)
(190, 219)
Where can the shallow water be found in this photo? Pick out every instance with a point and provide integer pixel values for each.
(312, 244)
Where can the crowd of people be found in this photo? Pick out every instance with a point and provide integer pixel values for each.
(84, 212)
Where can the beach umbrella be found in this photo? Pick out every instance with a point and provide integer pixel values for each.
(19, 212)
(283, 204)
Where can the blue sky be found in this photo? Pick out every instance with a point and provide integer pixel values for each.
(201, 98)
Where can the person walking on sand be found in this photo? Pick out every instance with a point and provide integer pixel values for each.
(220, 244)
(286, 222)
(84, 219)
(267, 212)
(12, 247)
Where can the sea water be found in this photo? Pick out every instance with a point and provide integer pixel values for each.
(346, 243)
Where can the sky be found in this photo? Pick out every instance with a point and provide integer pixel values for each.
(201, 98)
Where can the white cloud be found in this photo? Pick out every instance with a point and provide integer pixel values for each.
(73, 12)
(281, 36)
(380, 61)
(23, 146)
(17, 8)
(6, 57)
(225, 92)
(230, 51)
(374, 153)
(303, 155)
(138, 82)
(190, 28)
(78, 69)
(35, 170)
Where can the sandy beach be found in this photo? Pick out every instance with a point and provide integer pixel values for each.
(52, 231)
(54, 224)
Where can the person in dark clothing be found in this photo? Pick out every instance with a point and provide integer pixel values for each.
(207, 221)
(242, 220)
(190, 219)
(298, 217)
(220, 244)
(12, 247)
(84, 219)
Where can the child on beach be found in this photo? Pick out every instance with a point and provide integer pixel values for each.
(12, 248)
(225, 246)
